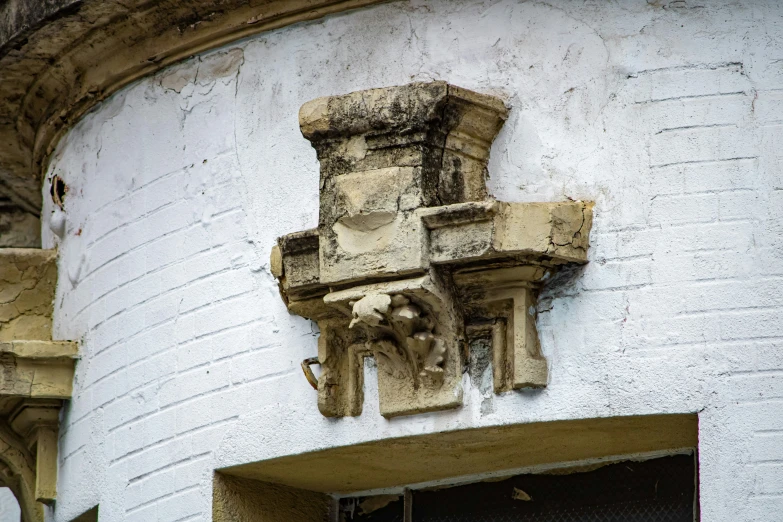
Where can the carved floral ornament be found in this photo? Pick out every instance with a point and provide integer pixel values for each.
(412, 260)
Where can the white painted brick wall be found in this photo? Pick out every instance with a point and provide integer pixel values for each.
(9, 507)
(670, 118)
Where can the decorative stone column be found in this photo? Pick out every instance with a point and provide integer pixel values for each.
(412, 259)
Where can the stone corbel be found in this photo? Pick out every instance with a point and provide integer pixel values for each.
(412, 330)
(36, 376)
(37, 423)
(502, 310)
(412, 260)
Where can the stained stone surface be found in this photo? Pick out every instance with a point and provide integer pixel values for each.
(410, 249)
(27, 282)
(36, 375)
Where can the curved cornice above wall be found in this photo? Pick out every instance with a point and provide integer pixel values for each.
(59, 58)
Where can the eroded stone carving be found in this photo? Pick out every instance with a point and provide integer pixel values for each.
(411, 258)
(404, 331)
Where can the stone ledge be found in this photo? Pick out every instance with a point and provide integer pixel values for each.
(406, 109)
(40, 350)
(37, 369)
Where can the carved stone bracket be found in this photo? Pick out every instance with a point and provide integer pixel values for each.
(36, 375)
(414, 332)
(412, 260)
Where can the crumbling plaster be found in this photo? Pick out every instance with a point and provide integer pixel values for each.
(665, 114)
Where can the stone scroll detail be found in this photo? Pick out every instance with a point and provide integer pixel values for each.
(403, 334)
(412, 260)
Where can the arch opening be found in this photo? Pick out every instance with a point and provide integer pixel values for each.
(9, 506)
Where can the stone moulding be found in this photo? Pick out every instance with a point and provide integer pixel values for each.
(412, 260)
(36, 375)
(60, 58)
(37, 369)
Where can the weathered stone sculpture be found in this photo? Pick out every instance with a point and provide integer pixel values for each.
(411, 258)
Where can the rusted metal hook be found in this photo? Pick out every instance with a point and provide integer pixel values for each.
(309, 373)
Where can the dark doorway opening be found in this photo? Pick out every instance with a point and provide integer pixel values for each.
(656, 490)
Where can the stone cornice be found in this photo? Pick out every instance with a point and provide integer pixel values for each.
(60, 58)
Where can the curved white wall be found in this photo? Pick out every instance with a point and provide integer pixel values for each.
(9, 507)
(669, 115)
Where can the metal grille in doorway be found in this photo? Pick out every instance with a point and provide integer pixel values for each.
(658, 490)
